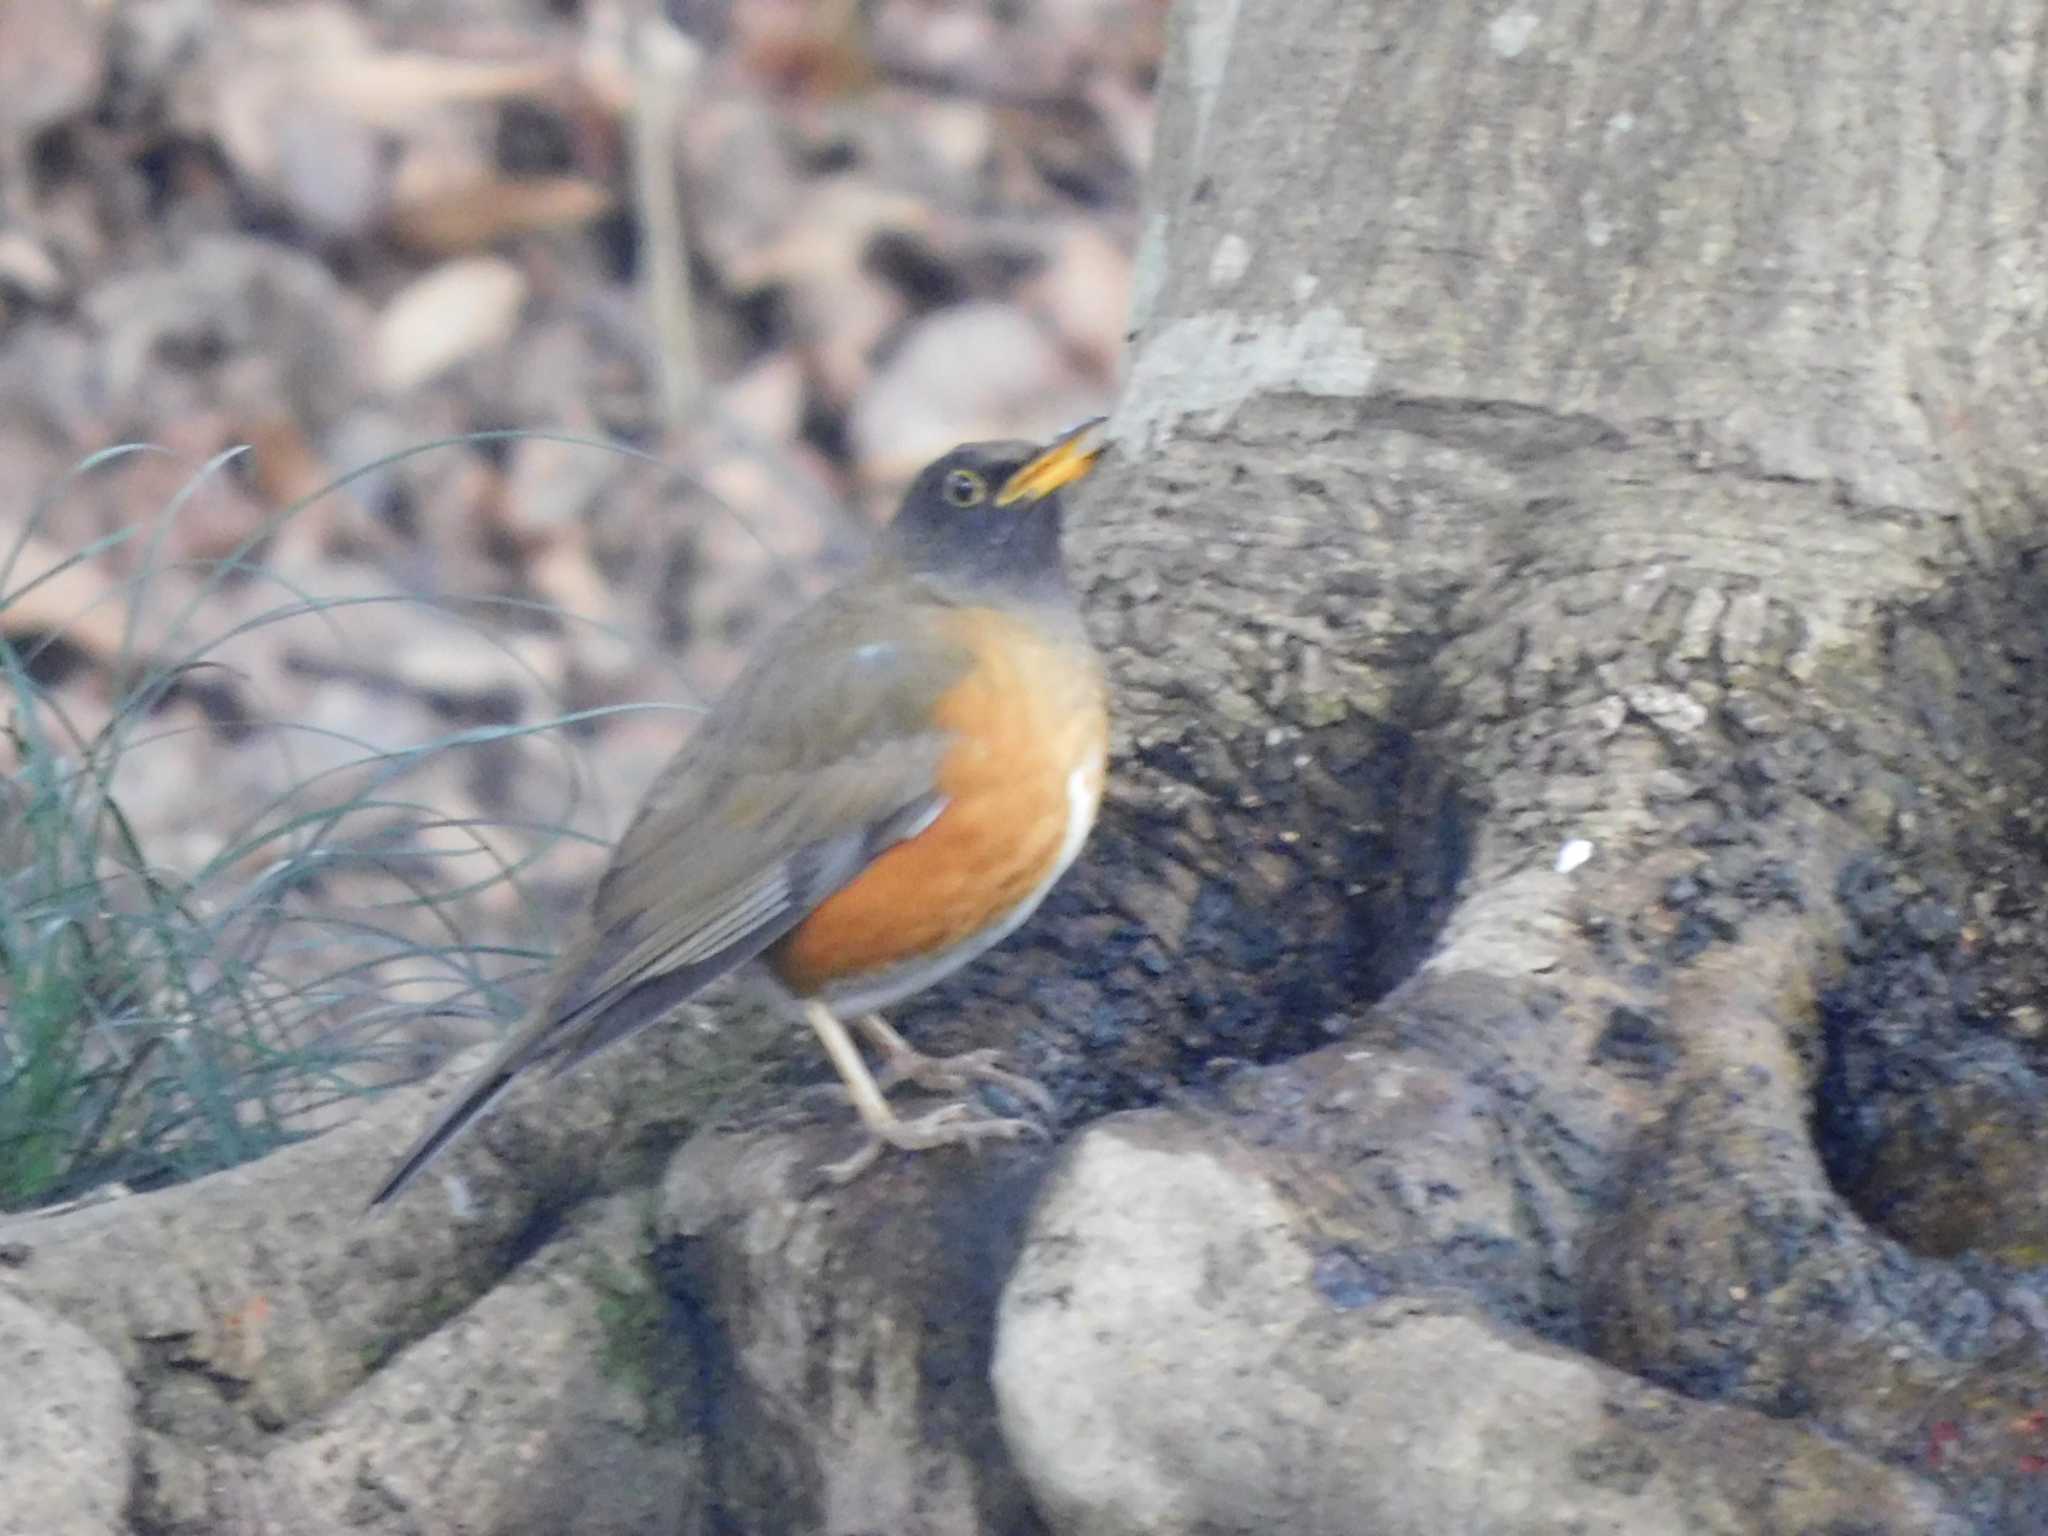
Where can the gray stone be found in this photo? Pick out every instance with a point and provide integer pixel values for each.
(66, 1432)
(1167, 1362)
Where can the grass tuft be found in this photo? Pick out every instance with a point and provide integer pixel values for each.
(157, 1021)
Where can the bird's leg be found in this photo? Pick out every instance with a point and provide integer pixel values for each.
(903, 1062)
(942, 1127)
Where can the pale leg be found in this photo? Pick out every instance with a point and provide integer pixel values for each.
(943, 1127)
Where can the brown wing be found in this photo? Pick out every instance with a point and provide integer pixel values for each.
(820, 757)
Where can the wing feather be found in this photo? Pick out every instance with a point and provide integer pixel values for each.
(804, 772)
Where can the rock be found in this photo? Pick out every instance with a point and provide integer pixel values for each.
(66, 1434)
(845, 1332)
(265, 1298)
(1172, 1356)
(541, 1408)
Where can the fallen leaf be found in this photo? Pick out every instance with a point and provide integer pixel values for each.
(50, 63)
(982, 370)
(457, 220)
(447, 315)
(47, 590)
(390, 90)
(1084, 291)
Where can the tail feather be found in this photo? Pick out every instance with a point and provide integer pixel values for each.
(625, 984)
(476, 1096)
(566, 1045)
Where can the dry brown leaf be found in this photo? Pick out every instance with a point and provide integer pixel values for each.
(231, 314)
(841, 309)
(958, 134)
(26, 264)
(762, 545)
(459, 671)
(283, 465)
(550, 485)
(393, 90)
(330, 169)
(455, 221)
(287, 472)
(51, 54)
(183, 514)
(814, 48)
(974, 371)
(829, 233)
(439, 319)
(457, 500)
(445, 159)
(42, 595)
(1084, 292)
(564, 574)
(303, 105)
(768, 399)
(257, 73)
(1128, 113)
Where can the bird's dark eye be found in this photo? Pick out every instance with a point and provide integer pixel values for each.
(964, 488)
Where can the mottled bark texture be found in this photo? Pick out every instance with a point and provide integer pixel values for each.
(1616, 423)
(1579, 422)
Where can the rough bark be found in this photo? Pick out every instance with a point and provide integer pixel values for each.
(1621, 421)
(1598, 423)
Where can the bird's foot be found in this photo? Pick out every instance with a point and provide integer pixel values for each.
(903, 1062)
(959, 1074)
(951, 1125)
(948, 1125)
(941, 1075)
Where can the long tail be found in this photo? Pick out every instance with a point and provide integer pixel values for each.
(567, 1039)
(597, 1007)
(476, 1096)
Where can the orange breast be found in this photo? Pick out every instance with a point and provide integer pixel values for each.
(1030, 716)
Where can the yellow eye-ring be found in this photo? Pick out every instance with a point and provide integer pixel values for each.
(964, 488)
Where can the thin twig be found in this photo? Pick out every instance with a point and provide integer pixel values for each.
(663, 63)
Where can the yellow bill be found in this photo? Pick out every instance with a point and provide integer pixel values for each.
(1067, 460)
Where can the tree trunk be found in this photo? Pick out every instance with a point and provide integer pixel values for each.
(1583, 430)
(1581, 425)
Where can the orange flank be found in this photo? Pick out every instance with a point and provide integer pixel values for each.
(1030, 712)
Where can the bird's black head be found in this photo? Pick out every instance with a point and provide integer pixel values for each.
(988, 514)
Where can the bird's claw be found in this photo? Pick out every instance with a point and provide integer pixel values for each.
(959, 1074)
(949, 1125)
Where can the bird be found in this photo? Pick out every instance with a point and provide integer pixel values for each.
(889, 788)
